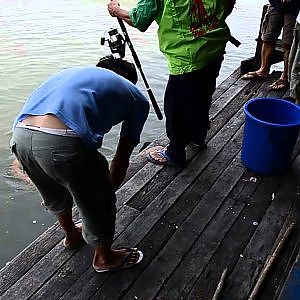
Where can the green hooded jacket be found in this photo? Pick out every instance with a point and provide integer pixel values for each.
(191, 33)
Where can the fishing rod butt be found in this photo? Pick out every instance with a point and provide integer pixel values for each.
(155, 105)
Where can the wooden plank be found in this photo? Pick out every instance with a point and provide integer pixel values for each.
(150, 282)
(233, 243)
(225, 84)
(271, 261)
(28, 257)
(59, 269)
(156, 209)
(173, 219)
(136, 183)
(142, 193)
(225, 98)
(238, 237)
(208, 243)
(260, 245)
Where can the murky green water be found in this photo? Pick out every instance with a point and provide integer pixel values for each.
(41, 37)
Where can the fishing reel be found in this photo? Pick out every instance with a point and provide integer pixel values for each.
(116, 42)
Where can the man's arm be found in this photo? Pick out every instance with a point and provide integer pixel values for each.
(139, 17)
(115, 10)
(120, 162)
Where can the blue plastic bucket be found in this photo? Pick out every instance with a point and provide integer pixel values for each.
(270, 133)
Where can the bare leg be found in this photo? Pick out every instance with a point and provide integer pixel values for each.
(284, 74)
(263, 71)
(282, 82)
(266, 52)
(73, 233)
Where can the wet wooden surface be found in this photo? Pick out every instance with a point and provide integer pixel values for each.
(191, 223)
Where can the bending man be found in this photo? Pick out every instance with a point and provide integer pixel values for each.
(56, 136)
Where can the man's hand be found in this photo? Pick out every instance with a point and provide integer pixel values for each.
(113, 6)
(115, 10)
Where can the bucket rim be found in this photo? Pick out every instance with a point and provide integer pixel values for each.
(269, 123)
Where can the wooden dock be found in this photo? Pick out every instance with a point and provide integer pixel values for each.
(191, 223)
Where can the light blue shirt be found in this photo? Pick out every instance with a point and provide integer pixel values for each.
(90, 101)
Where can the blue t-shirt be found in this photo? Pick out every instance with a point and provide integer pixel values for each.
(90, 101)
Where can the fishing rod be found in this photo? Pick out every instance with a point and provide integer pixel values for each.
(117, 45)
(138, 64)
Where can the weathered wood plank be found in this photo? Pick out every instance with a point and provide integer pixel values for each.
(260, 245)
(255, 202)
(175, 216)
(206, 283)
(156, 209)
(28, 257)
(58, 267)
(150, 282)
(225, 84)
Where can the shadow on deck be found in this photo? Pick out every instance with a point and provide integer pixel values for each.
(191, 224)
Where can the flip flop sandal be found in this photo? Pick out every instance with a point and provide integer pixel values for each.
(253, 75)
(125, 264)
(165, 159)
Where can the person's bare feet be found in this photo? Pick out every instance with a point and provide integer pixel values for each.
(255, 75)
(106, 260)
(74, 239)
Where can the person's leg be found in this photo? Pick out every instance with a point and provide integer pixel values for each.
(295, 66)
(177, 100)
(86, 174)
(266, 52)
(73, 233)
(270, 31)
(203, 85)
(287, 39)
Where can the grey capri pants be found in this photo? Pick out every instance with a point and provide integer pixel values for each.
(64, 170)
(275, 21)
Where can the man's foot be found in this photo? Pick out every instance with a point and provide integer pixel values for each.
(115, 260)
(74, 240)
(279, 84)
(254, 75)
(160, 157)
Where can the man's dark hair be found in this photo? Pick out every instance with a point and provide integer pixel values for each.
(119, 66)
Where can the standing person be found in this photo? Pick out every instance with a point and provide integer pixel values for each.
(56, 136)
(281, 15)
(192, 35)
(294, 63)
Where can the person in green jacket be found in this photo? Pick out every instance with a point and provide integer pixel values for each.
(192, 36)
